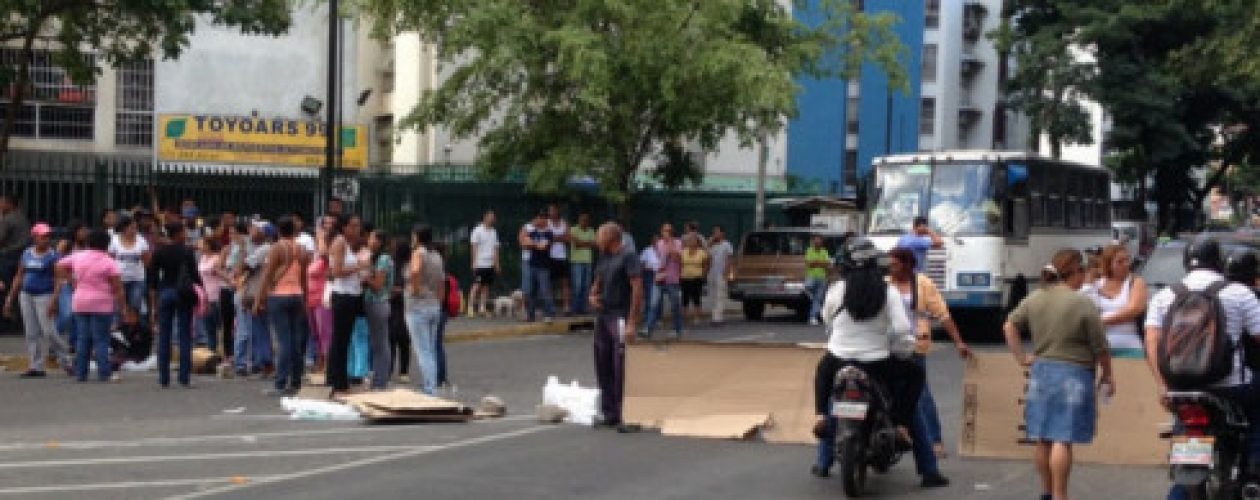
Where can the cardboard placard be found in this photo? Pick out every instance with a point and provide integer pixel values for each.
(994, 386)
(691, 385)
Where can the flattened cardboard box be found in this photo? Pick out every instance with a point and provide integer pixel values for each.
(993, 414)
(714, 389)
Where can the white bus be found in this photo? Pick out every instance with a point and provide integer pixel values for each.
(1002, 215)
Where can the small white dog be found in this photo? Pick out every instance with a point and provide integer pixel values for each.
(510, 306)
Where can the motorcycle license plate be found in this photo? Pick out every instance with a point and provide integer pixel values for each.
(1191, 451)
(849, 410)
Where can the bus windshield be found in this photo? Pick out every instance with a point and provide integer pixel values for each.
(957, 199)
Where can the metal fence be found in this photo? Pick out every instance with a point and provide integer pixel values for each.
(62, 187)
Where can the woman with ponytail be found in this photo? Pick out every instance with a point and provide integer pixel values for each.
(1068, 342)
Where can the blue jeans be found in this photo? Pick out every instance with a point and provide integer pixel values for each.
(659, 294)
(439, 348)
(817, 289)
(65, 315)
(538, 289)
(649, 291)
(93, 334)
(174, 318)
(288, 321)
(240, 343)
(259, 341)
(422, 324)
(134, 292)
(923, 431)
(209, 333)
(581, 275)
(827, 445)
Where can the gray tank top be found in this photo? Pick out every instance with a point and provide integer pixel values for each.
(432, 278)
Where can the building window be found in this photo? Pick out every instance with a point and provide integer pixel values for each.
(134, 117)
(927, 116)
(851, 115)
(54, 107)
(929, 63)
(932, 14)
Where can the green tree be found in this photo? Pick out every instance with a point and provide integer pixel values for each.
(605, 88)
(115, 31)
(1048, 81)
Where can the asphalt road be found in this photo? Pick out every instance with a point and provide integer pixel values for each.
(130, 440)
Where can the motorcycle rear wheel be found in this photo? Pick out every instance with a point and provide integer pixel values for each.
(853, 467)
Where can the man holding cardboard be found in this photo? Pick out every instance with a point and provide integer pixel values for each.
(616, 296)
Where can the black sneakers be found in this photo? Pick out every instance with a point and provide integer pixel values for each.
(34, 374)
(934, 481)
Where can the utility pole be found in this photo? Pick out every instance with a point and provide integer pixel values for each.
(331, 130)
(759, 219)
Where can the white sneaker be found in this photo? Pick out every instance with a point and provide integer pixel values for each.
(814, 322)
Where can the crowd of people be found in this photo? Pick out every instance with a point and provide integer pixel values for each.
(276, 299)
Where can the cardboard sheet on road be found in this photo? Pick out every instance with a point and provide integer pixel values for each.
(716, 426)
(993, 414)
(405, 405)
(702, 389)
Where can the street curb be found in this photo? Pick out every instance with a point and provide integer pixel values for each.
(557, 327)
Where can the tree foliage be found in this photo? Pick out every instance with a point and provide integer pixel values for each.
(115, 31)
(1167, 73)
(605, 88)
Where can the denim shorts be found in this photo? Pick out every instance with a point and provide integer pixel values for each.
(1061, 407)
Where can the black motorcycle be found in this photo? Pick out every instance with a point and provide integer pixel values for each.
(866, 438)
(1209, 448)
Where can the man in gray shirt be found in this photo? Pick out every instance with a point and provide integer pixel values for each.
(617, 297)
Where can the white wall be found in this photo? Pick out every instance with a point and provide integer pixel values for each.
(226, 72)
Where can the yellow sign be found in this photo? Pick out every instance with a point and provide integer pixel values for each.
(254, 140)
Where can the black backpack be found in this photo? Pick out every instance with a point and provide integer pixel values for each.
(1195, 351)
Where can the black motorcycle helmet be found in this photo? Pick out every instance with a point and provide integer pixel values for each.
(1243, 266)
(860, 253)
(1204, 253)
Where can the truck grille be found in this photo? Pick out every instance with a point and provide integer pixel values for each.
(935, 268)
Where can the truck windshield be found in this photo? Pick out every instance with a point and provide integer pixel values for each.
(957, 199)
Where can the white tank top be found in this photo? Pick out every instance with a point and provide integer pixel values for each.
(1124, 335)
(348, 285)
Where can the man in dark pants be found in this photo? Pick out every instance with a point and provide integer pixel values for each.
(174, 305)
(15, 236)
(617, 297)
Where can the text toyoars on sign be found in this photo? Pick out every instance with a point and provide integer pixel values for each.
(255, 140)
(259, 126)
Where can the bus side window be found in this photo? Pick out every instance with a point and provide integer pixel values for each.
(1037, 194)
(1102, 206)
(1016, 216)
(1054, 194)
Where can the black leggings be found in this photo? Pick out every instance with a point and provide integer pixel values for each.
(227, 311)
(399, 337)
(345, 310)
(692, 289)
(903, 379)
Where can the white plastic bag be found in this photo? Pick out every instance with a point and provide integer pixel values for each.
(582, 404)
(310, 409)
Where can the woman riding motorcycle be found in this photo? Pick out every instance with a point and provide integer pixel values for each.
(869, 329)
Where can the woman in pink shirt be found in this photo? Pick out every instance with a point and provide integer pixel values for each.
(98, 291)
(318, 313)
(210, 266)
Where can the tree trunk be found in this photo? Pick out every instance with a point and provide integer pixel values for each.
(20, 83)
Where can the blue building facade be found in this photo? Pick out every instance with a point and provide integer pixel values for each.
(887, 118)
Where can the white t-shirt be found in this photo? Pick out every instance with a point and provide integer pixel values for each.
(719, 254)
(650, 260)
(874, 339)
(485, 240)
(559, 251)
(130, 259)
(307, 242)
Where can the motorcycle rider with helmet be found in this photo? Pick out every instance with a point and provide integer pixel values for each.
(1204, 261)
(867, 328)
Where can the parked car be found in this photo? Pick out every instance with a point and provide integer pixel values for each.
(770, 269)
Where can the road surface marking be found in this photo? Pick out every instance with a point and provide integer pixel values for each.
(167, 483)
(233, 438)
(205, 456)
(368, 461)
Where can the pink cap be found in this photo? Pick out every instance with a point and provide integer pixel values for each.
(41, 229)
